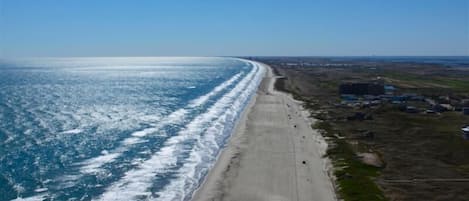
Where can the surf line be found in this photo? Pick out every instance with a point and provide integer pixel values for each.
(207, 147)
(137, 181)
(93, 165)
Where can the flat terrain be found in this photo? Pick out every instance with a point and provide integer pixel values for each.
(420, 156)
(273, 155)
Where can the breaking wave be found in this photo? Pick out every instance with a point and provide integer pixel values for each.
(118, 128)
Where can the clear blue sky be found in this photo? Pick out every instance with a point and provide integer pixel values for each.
(233, 27)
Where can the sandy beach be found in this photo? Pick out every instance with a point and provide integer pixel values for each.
(274, 154)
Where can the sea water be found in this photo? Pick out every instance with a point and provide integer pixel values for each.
(116, 128)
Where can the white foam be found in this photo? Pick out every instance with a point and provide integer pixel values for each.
(39, 190)
(73, 131)
(93, 165)
(202, 99)
(18, 188)
(176, 117)
(132, 141)
(136, 182)
(32, 198)
(144, 132)
(204, 153)
(68, 181)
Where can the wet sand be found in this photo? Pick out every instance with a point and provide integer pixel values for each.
(274, 154)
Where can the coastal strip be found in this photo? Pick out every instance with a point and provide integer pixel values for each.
(273, 154)
(208, 130)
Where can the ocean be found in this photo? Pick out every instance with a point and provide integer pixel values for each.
(116, 128)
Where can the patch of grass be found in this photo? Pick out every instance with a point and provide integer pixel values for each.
(355, 179)
(444, 130)
(456, 84)
(331, 85)
(450, 82)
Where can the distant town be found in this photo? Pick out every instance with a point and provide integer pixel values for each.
(374, 93)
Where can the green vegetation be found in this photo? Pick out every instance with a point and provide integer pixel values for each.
(443, 130)
(355, 179)
(330, 85)
(453, 83)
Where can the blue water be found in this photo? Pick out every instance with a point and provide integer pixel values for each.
(116, 128)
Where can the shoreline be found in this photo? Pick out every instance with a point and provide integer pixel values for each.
(260, 162)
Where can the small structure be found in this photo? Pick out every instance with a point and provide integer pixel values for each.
(411, 109)
(448, 107)
(361, 88)
(439, 108)
(389, 89)
(465, 102)
(399, 98)
(465, 132)
(430, 112)
(370, 97)
(465, 110)
(413, 97)
(349, 97)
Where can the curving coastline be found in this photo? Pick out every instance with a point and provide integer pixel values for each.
(273, 154)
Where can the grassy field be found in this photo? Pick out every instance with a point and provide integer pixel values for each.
(421, 81)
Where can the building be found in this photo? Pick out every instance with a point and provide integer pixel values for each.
(465, 110)
(465, 132)
(362, 88)
(411, 109)
(439, 108)
(448, 107)
(389, 89)
(465, 102)
(349, 97)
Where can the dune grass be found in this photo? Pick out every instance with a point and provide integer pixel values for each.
(355, 179)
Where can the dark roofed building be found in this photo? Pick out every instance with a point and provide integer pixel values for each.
(465, 110)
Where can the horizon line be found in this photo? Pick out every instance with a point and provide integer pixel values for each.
(234, 56)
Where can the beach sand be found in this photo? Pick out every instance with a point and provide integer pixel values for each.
(274, 154)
